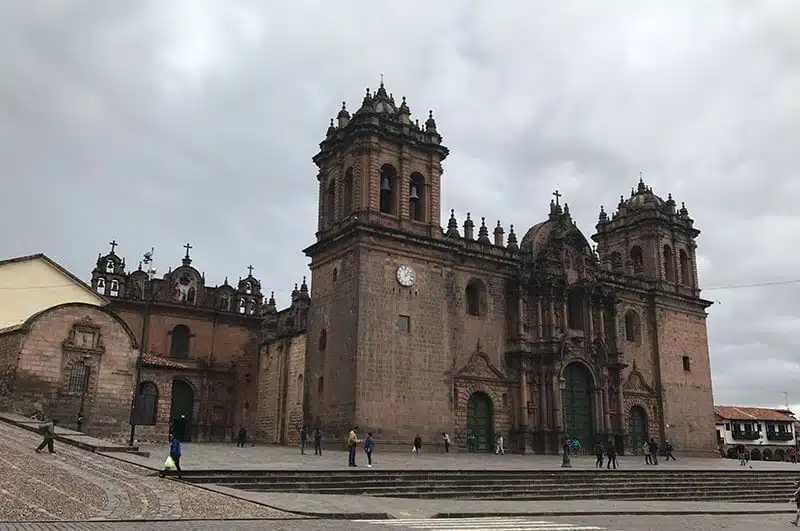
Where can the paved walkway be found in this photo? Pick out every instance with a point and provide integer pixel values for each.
(73, 484)
(220, 456)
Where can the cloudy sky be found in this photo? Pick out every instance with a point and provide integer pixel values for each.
(156, 123)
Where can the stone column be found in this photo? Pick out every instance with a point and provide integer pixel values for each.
(523, 410)
(620, 406)
(564, 313)
(552, 323)
(521, 315)
(606, 409)
(598, 409)
(590, 311)
(540, 316)
(558, 406)
(543, 414)
(602, 319)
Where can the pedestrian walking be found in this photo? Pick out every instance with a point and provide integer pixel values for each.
(352, 444)
(668, 448)
(417, 445)
(303, 439)
(175, 454)
(48, 432)
(611, 453)
(741, 452)
(240, 440)
(793, 455)
(598, 453)
(369, 445)
(317, 442)
(446, 439)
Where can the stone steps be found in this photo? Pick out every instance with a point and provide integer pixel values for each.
(651, 484)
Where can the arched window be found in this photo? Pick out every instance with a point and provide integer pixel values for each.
(637, 258)
(147, 404)
(225, 304)
(242, 306)
(251, 307)
(686, 272)
(101, 286)
(79, 378)
(633, 325)
(320, 385)
(616, 261)
(109, 266)
(416, 197)
(476, 297)
(347, 192)
(388, 189)
(669, 264)
(323, 340)
(330, 203)
(191, 293)
(179, 342)
(248, 288)
(575, 310)
(335, 274)
(299, 390)
(114, 288)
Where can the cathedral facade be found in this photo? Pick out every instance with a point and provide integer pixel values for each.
(415, 329)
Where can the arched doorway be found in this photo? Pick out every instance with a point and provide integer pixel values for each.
(181, 410)
(578, 404)
(480, 437)
(637, 420)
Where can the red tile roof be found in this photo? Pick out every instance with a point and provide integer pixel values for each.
(151, 360)
(751, 413)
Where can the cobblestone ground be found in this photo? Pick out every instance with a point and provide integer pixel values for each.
(76, 485)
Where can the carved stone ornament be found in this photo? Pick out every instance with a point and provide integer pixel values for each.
(85, 336)
(479, 367)
(635, 384)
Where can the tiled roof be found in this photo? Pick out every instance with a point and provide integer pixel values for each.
(750, 413)
(151, 360)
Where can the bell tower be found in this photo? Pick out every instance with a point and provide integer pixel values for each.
(378, 167)
(379, 176)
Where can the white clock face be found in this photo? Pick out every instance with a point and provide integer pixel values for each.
(406, 275)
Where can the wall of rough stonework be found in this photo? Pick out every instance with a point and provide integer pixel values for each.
(688, 398)
(42, 377)
(10, 344)
(281, 390)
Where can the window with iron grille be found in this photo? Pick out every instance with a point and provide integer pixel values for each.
(78, 378)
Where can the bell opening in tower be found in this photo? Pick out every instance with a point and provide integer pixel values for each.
(388, 191)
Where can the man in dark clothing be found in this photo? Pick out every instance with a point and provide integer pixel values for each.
(303, 439)
(175, 454)
(654, 451)
(611, 452)
(668, 450)
(317, 442)
(598, 453)
(48, 432)
(240, 440)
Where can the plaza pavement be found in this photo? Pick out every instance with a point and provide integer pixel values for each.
(81, 485)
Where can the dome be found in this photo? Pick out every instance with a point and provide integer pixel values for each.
(644, 198)
(538, 237)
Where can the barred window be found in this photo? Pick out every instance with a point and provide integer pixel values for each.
(79, 378)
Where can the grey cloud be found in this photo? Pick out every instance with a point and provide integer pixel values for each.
(155, 125)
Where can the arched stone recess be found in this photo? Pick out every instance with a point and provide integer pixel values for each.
(479, 375)
(623, 345)
(637, 392)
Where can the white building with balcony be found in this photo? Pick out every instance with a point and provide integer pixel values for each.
(767, 434)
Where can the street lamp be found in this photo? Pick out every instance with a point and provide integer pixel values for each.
(84, 388)
(148, 259)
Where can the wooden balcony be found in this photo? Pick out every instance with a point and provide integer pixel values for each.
(745, 435)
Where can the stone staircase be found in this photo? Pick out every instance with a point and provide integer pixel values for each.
(678, 485)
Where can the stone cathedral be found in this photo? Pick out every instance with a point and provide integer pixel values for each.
(417, 329)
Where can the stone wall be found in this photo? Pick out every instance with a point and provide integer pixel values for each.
(57, 340)
(281, 390)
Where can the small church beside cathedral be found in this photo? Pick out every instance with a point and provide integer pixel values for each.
(415, 329)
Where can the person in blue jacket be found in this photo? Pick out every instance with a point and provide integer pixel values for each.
(175, 454)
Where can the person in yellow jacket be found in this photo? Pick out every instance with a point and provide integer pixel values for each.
(352, 443)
